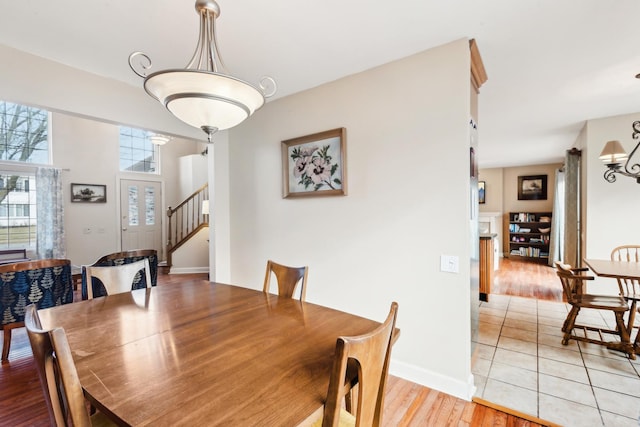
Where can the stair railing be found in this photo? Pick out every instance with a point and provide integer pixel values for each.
(185, 220)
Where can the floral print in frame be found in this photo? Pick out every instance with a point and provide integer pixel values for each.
(315, 165)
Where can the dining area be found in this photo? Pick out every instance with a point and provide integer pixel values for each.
(203, 353)
(624, 267)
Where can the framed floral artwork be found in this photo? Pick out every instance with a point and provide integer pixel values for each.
(315, 165)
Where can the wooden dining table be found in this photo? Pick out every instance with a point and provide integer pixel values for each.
(202, 353)
(614, 269)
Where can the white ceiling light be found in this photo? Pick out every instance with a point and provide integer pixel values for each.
(158, 139)
(203, 94)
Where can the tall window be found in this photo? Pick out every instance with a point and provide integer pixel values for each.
(18, 212)
(137, 153)
(24, 139)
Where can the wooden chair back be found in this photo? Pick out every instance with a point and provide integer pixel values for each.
(45, 283)
(287, 278)
(117, 278)
(572, 282)
(57, 372)
(372, 353)
(629, 288)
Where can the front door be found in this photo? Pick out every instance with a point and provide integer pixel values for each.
(141, 215)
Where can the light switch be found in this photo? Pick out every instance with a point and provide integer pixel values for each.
(449, 263)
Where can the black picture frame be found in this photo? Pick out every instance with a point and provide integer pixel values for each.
(88, 193)
(481, 192)
(532, 187)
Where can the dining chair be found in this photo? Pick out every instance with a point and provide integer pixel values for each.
(372, 353)
(58, 376)
(117, 278)
(45, 283)
(573, 285)
(629, 288)
(119, 258)
(287, 278)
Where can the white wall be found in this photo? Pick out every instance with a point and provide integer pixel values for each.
(193, 174)
(612, 209)
(193, 256)
(405, 206)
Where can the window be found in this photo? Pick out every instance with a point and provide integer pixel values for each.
(24, 139)
(24, 133)
(17, 212)
(137, 153)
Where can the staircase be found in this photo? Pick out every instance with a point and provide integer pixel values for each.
(186, 220)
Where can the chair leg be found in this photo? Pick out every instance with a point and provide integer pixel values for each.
(569, 322)
(625, 339)
(6, 344)
(632, 317)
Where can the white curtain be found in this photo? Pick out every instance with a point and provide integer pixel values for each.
(50, 241)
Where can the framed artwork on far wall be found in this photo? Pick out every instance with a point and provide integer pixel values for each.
(89, 193)
(532, 187)
(315, 165)
(481, 192)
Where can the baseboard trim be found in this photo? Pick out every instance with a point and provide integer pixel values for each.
(515, 413)
(460, 389)
(188, 270)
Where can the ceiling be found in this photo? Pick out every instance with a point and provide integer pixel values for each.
(551, 64)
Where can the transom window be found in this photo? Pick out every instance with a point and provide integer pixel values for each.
(137, 153)
(24, 133)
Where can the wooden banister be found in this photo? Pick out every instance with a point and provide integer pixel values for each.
(185, 220)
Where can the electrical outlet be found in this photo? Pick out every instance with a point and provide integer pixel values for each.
(449, 263)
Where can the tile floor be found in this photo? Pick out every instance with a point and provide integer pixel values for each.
(521, 363)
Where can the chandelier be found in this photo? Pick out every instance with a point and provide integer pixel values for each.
(204, 94)
(613, 155)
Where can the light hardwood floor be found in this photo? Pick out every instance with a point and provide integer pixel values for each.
(407, 403)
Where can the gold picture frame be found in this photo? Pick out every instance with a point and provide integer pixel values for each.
(315, 165)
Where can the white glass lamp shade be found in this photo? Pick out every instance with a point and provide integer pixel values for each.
(159, 139)
(203, 98)
(613, 153)
(205, 207)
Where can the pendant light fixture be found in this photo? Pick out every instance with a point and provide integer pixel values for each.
(204, 94)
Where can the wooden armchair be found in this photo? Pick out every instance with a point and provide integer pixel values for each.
(287, 278)
(120, 258)
(45, 283)
(372, 354)
(60, 383)
(573, 286)
(118, 278)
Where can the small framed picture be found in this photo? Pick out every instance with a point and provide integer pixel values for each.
(315, 165)
(481, 192)
(532, 187)
(88, 193)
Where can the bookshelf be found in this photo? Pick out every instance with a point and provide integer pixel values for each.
(529, 236)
